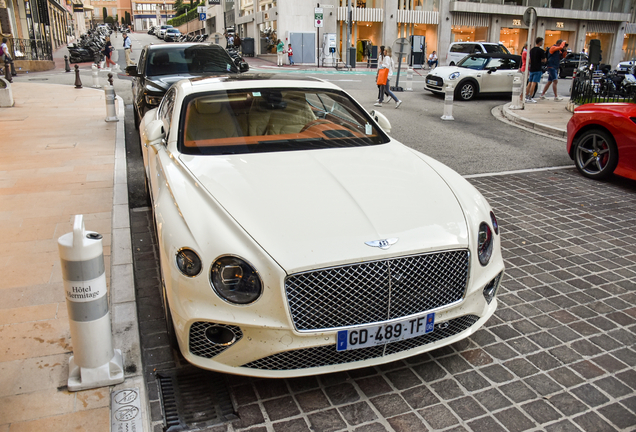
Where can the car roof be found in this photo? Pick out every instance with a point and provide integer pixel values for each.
(181, 45)
(252, 80)
(481, 43)
(496, 55)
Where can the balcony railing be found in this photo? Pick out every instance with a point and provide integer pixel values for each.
(30, 49)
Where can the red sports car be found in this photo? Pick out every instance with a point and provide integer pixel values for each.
(602, 139)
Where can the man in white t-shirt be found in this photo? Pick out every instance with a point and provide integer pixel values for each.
(432, 59)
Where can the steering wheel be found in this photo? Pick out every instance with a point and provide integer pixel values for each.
(315, 123)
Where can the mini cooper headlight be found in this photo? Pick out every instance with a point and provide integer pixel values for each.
(235, 280)
(453, 76)
(484, 243)
(188, 262)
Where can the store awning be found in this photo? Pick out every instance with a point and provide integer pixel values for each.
(470, 19)
(601, 27)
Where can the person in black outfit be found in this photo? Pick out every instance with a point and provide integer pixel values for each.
(537, 59)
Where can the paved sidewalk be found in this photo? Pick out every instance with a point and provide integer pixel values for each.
(546, 116)
(59, 159)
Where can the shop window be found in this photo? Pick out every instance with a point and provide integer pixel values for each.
(560, 4)
(581, 4)
(601, 5)
(620, 6)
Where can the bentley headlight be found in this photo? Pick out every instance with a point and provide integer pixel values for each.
(495, 224)
(235, 280)
(188, 262)
(484, 243)
(453, 76)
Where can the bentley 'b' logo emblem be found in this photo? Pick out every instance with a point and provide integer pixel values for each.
(382, 244)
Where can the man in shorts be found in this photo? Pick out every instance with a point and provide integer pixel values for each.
(537, 59)
(556, 53)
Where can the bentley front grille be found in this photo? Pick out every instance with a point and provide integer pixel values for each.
(376, 291)
(327, 355)
(202, 346)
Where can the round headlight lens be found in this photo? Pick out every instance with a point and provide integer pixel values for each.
(495, 224)
(453, 76)
(484, 243)
(188, 262)
(235, 280)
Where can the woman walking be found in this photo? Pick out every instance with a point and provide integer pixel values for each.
(108, 50)
(387, 63)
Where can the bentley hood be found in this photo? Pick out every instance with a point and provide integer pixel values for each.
(318, 208)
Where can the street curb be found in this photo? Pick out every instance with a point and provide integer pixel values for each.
(122, 287)
(540, 127)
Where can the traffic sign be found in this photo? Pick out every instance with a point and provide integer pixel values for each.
(318, 17)
(201, 9)
(201, 17)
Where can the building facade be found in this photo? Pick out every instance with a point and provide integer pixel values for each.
(148, 13)
(439, 22)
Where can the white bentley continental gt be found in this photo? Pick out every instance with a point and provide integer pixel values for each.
(297, 238)
(475, 74)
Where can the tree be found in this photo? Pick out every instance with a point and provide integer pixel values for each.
(105, 13)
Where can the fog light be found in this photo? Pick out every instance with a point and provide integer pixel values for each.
(491, 289)
(220, 335)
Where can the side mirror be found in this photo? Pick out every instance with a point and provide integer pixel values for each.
(492, 69)
(380, 119)
(244, 67)
(153, 133)
(131, 71)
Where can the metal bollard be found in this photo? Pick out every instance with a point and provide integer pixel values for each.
(78, 81)
(94, 362)
(109, 93)
(95, 73)
(7, 70)
(516, 103)
(449, 94)
(409, 79)
(96, 58)
(67, 66)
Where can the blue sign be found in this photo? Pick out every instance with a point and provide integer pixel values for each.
(342, 341)
(201, 17)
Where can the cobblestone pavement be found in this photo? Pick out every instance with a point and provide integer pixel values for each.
(559, 354)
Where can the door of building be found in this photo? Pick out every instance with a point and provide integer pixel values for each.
(304, 46)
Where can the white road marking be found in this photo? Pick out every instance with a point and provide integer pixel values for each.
(523, 171)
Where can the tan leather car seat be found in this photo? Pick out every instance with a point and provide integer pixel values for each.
(210, 120)
(293, 117)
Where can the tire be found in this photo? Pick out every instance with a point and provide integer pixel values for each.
(136, 117)
(562, 73)
(466, 90)
(596, 154)
(172, 336)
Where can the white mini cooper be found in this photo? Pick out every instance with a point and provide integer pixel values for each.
(474, 74)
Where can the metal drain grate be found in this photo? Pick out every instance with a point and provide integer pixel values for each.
(193, 398)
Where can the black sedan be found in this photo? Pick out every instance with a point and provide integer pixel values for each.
(160, 66)
(572, 62)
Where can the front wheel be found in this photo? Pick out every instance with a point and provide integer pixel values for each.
(596, 154)
(466, 91)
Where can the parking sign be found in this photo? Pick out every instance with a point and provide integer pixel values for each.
(318, 17)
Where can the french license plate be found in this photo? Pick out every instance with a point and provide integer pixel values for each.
(431, 82)
(385, 333)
